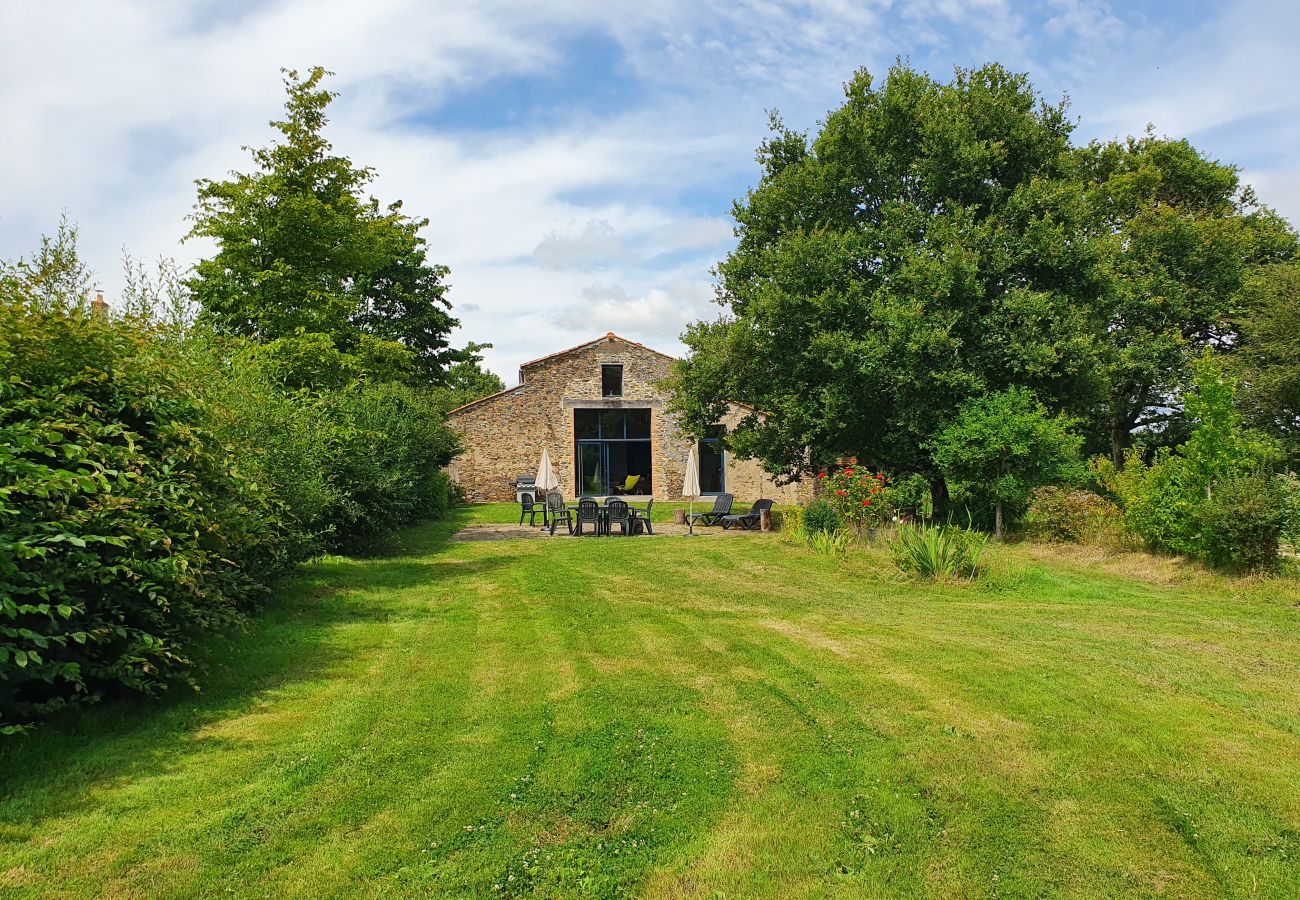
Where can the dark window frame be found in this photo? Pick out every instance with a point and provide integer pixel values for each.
(714, 439)
(605, 371)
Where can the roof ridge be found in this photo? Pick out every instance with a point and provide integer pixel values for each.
(608, 336)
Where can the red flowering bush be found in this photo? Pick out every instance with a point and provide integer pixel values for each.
(860, 496)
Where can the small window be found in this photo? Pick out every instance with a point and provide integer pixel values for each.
(611, 381)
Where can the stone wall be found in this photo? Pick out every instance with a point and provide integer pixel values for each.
(504, 434)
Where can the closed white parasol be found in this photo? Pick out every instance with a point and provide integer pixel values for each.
(545, 481)
(691, 489)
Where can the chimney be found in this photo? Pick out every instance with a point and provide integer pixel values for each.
(99, 306)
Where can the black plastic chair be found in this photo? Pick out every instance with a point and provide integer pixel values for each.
(557, 512)
(750, 519)
(721, 507)
(588, 514)
(617, 512)
(642, 516)
(530, 508)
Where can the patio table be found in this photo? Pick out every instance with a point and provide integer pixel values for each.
(602, 517)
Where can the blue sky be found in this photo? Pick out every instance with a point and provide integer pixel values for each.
(577, 160)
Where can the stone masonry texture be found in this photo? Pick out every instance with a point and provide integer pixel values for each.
(504, 434)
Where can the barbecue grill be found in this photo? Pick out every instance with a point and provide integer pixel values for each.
(525, 484)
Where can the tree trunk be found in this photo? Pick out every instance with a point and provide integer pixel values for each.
(938, 500)
(997, 520)
(1124, 418)
(1121, 438)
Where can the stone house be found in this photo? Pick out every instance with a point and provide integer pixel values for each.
(597, 409)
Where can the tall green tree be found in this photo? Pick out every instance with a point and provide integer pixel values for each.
(302, 248)
(1001, 446)
(466, 382)
(1183, 234)
(926, 247)
(1268, 354)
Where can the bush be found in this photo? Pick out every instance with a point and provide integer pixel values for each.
(126, 527)
(1160, 501)
(1242, 522)
(938, 551)
(820, 516)
(154, 481)
(859, 496)
(392, 445)
(1177, 501)
(1288, 485)
(286, 440)
(351, 465)
(1069, 516)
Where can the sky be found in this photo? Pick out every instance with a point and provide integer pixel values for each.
(577, 160)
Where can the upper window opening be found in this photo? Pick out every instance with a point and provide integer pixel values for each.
(611, 381)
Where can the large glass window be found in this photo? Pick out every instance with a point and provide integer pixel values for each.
(612, 450)
(713, 468)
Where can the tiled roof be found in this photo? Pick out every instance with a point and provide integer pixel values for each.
(609, 336)
(508, 390)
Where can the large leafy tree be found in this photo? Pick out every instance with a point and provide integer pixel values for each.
(1183, 234)
(1268, 353)
(302, 248)
(926, 247)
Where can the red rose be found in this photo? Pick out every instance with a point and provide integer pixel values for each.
(821, 475)
(848, 472)
(866, 502)
(880, 476)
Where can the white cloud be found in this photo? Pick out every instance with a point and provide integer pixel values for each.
(1279, 189)
(596, 246)
(658, 316)
(111, 109)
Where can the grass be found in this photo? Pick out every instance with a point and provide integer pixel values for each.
(709, 718)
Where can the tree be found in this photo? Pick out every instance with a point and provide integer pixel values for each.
(923, 249)
(54, 278)
(1001, 446)
(1182, 235)
(468, 381)
(1269, 353)
(302, 249)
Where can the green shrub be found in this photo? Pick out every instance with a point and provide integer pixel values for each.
(1160, 501)
(820, 516)
(910, 496)
(392, 443)
(1242, 522)
(1288, 485)
(126, 527)
(1070, 516)
(155, 480)
(938, 551)
(286, 440)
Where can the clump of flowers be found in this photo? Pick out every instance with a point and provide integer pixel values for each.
(860, 496)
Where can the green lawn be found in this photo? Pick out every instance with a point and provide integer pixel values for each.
(712, 717)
